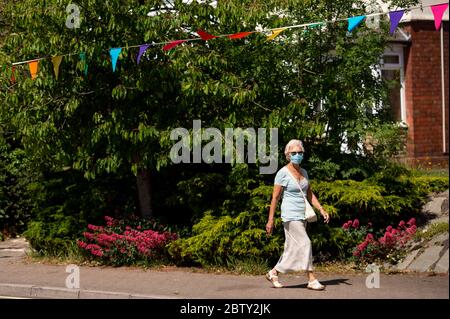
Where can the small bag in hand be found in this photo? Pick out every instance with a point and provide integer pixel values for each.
(310, 214)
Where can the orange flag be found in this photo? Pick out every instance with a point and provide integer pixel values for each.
(33, 68)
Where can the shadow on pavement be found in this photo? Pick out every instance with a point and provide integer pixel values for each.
(324, 282)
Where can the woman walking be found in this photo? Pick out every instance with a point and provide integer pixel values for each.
(297, 254)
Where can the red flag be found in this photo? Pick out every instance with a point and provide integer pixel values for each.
(172, 44)
(239, 35)
(13, 79)
(205, 35)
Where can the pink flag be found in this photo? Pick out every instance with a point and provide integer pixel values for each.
(205, 35)
(172, 44)
(239, 35)
(438, 12)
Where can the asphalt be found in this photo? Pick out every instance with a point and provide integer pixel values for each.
(20, 278)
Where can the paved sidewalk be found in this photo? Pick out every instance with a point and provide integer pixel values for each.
(19, 278)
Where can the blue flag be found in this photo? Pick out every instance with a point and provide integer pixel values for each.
(114, 52)
(354, 21)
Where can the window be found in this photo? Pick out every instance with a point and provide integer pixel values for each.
(392, 71)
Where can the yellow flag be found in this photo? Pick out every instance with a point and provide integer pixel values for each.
(33, 68)
(274, 34)
(56, 60)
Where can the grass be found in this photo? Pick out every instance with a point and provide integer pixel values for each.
(432, 230)
(70, 255)
(430, 172)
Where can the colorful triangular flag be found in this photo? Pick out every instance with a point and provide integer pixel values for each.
(239, 35)
(205, 35)
(172, 44)
(33, 65)
(353, 22)
(142, 50)
(274, 34)
(84, 61)
(395, 17)
(114, 52)
(438, 12)
(56, 60)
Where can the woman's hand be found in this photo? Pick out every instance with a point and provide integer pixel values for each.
(325, 215)
(269, 227)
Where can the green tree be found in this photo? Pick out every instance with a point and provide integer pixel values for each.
(315, 84)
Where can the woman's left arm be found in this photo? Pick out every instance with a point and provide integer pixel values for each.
(315, 202)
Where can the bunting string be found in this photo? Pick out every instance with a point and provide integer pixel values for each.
(395, 17)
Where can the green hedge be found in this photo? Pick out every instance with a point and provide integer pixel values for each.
(383, 199)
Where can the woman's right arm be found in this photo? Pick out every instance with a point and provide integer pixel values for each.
(277, 189)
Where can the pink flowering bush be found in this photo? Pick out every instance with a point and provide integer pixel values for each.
(390, 245)
(118, 243)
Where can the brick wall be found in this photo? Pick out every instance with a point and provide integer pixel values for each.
(423, 94)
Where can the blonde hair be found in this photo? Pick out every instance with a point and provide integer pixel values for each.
(291, 144)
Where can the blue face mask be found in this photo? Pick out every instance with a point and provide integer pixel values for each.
(297, 158)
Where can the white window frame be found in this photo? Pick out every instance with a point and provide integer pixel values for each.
(397, 49)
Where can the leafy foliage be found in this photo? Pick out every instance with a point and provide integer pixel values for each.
(225, 234)
(85, 136)
(66, 202)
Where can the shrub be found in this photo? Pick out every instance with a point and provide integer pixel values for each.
(390, 246)
(384, 198)
(64, 202)
(16, 182)
(119, 244)
(219, 240)
(234, 228)
(432, 230)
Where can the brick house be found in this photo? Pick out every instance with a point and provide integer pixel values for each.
(418, 58)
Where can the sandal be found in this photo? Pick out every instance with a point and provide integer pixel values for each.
(274, 280)
(315, 285)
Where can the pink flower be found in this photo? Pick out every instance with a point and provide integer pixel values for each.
(81, 244)
(355, 223)
(411, 230)
(389, 229)
(363, 245)
(402, 223)
(369, 237)
(411, 222)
